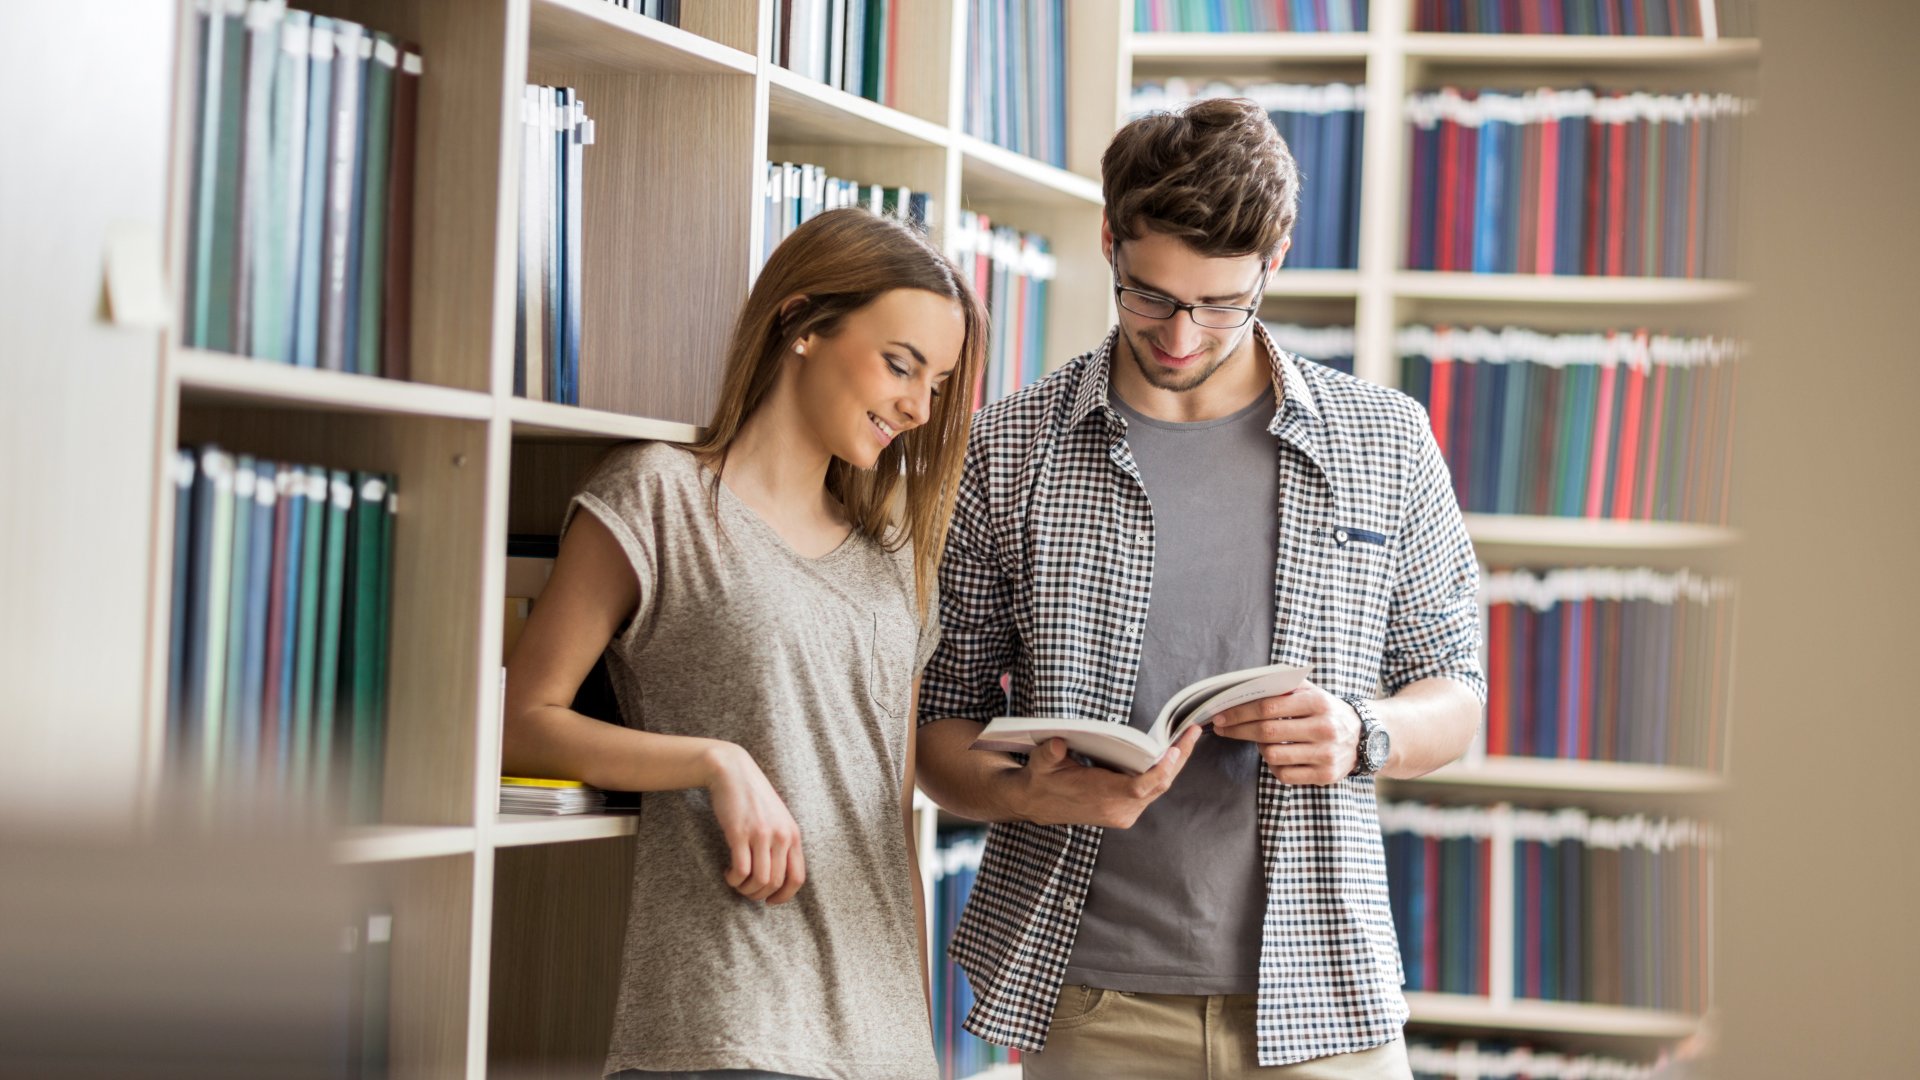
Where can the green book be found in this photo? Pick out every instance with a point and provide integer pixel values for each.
(1513, 411)
(1586, 409)
(218, 466)
(326, 680)
(370, 275)
(273, 299)
(220, 225)
(388, 512)
(246, 477)
(307, 629)
(362, 642)
(1563, 428)
(873, 54)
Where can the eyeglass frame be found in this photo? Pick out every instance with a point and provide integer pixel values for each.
(1247, 313)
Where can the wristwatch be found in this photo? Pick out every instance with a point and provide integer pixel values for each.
(1375, 743)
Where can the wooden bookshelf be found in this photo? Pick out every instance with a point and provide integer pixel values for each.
(687, 118)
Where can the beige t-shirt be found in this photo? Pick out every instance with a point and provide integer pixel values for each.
(808, 664)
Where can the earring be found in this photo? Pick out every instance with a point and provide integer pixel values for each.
(801, 348)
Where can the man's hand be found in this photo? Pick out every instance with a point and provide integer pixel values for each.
(1054, 789)
(1306, 737)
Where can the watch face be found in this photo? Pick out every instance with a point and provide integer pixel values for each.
(1376, 749)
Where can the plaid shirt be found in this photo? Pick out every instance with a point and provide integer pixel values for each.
(1047, 572)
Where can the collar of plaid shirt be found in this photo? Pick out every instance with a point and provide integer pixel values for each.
(1047, 575)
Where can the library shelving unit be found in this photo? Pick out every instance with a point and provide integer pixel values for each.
(1379, 296)
(506, 929)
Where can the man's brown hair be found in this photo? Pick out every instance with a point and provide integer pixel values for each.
(1214, 174)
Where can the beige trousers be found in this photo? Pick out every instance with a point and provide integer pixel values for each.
(1110, 1035)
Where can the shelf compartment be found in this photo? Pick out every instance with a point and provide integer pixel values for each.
(599, 37)
(1550, 774)
(545, 420)
(1537, 50)
(395, 843)
(994, 172)
(1553, 289)
(1521, 530)
(210, 377)
(800, 109)
(521, 830)
(1459, 1010)
(1290, 283)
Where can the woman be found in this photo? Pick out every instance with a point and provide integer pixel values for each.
(765, 602)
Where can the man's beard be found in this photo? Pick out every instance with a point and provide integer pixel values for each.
(1178, 382)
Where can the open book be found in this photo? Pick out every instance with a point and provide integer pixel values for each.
(1128, 749)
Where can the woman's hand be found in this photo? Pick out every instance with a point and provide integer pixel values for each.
(762, 838)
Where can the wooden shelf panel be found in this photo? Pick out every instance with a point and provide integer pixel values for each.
(545, 420)
(1203, 49)
(1508, 773)
(1460, 1010)
(519, 830)
(996, 173)
(1341, 283)
(214, 377)
(596, 37)
(1521, 530)
(1535, 50)
(1554, 289)
(801, 110)
(393, 843)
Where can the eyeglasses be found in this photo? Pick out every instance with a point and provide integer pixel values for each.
(1212, 316)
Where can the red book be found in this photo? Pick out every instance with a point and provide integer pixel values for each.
(1520, 734)
(1466, 193)
(1440, 403)
(1596, 158)
(1530, 946)
(1530, 19)
(1616, 237)
(1629, 439)
(1651, 448)
(1549, 196)
(1449, 200)
(1602, 429)
(1499, 670)
(891, 81)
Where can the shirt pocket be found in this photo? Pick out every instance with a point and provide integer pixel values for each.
(1357, 597)
(890, 652)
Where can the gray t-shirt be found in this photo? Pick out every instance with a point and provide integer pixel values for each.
(808, 664)
(1177, 900)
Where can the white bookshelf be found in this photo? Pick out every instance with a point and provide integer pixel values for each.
(1498, 774)
(1548, 1017)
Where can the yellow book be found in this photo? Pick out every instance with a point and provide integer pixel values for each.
(529, 781)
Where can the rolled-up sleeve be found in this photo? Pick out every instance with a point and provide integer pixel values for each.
(976, 622)
(1433, 622)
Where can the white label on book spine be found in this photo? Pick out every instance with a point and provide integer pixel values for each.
(374, 490)
(410, 63)
(384, 52)
(343, 494)
(379, 929)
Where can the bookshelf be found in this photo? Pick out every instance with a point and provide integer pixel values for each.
(490, 973)
(1379, 296)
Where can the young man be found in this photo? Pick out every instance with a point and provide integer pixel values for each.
(1182, 501)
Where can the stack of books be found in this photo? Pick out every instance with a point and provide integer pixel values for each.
(282, 581)
(1620, 425)
(1603, 910)
(956, 863)
(1017, 76)
(531, 795)
(1250, 16)
(555, 133)
(1010, 272)
(852, 45)
(1324, 126)
(1613, 18)
(1609, 664)
(1329, 345)
(796, 193)
(1574, 182)
(300, 245)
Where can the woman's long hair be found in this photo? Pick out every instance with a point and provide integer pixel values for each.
(841, 261)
